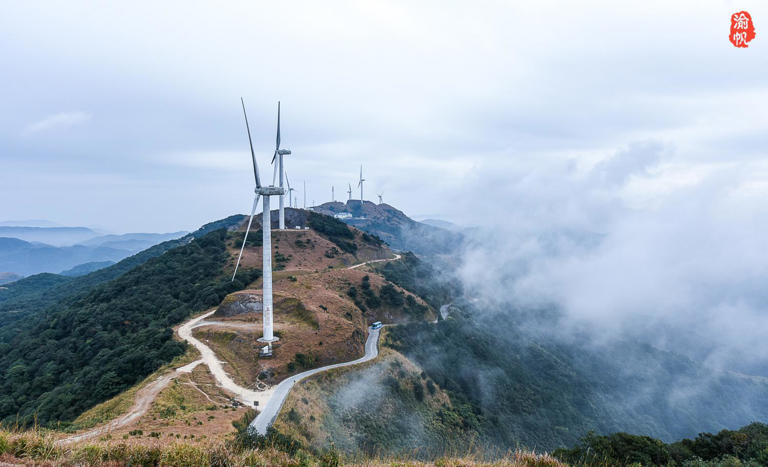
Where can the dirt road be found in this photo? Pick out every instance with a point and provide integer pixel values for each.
(143, 400)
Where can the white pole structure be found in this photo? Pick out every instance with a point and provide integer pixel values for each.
(333, 196)
(266, 226)
(305, 194)
(379, 195)
(349, 192)
(281, 215)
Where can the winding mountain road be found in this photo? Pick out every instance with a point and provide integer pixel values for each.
(245, 395)
(375, 261)
(268, 414)
(270, 400)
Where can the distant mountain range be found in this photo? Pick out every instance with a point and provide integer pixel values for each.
(25, 258)
(53, 236)
(86, 268)
(26, 250)
(7, 277)
(394, 227)
(30, 223)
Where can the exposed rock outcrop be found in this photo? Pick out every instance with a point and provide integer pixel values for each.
(239, 303)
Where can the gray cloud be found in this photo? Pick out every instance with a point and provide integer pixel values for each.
(683, 267)
(421, 94)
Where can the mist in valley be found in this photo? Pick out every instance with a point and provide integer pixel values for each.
(633, 247)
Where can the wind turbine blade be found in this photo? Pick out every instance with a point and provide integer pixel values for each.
(253, 155)
(277, 143)
(245, 239)
(273, 157)
(274, 175)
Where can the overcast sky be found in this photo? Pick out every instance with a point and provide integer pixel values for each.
(126, 115)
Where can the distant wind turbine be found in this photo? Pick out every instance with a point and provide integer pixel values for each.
(333, 196)
(360, 183)
(290, 190)
(279, 153)
(266, 226)
(349, 192)
(379, 195)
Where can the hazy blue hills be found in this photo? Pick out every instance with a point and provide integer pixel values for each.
(55, 236)
(28, 250)
(85, 268)
(7, 277)
(25, 258)
(134, 242)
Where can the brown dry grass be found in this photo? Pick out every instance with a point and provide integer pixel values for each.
(38, 448)
(306, 250)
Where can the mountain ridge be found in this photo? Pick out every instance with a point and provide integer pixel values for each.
(394, 227)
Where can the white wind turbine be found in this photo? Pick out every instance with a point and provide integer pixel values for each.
(333, 195)
(266, 226)
(360, 183)
(290, 190)
(349, 192)
(379, 195)
(279, 153)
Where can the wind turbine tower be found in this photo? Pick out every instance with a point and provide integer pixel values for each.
(379, 195)
(349, 192)
(333, 196)
(360, 183)
(265, 192)
(279, 153)
(305, 194)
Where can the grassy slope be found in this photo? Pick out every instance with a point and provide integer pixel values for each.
(318, 322)
(383, 407)
(38, 447)
(120, 404)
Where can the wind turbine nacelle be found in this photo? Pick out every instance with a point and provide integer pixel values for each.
(270, 191)
(283, 152)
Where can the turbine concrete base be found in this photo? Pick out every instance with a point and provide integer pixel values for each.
(268, 341)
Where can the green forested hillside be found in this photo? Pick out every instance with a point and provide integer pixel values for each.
(92, 345)
(747, 446)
